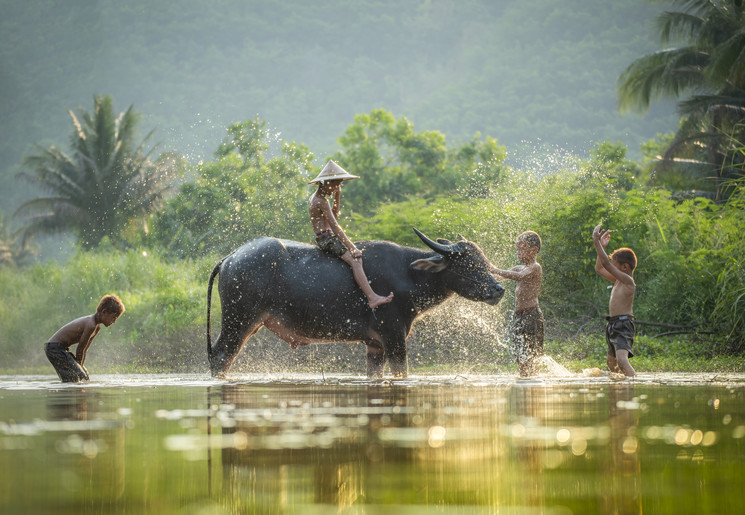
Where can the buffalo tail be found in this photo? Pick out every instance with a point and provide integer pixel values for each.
(214, 273)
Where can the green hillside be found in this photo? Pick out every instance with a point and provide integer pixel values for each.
(534, 71)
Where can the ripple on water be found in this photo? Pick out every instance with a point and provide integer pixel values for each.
(551, 373)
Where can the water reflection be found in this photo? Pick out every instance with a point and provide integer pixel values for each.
(488, 446)
(622, 494)
(88, 435)
(70, 404)
(530, 409)
(310, 444)
(454, 445)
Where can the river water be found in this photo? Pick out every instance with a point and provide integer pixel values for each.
(165, 444)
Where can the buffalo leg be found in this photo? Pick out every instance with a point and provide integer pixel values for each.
(399, 363)
(375, 362)
(398, 360)
(229, 343)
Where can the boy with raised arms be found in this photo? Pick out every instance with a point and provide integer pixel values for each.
(620, 330)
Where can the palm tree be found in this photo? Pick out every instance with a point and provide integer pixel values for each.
(104, 184)
(708, 73)
(12, 251)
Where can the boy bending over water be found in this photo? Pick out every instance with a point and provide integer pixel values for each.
(80, 331)
(330, 237)
(620, 331)
(526, 330)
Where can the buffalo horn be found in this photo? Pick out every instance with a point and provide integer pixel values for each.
(437, 247)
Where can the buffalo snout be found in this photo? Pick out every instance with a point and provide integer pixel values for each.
(494, 294)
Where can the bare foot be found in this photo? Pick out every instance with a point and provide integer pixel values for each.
(378, 300)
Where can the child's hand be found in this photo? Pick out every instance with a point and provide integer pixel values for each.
(596, 232)
(605, 238)
(356, 253)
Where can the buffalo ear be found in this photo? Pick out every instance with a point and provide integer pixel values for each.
(433, 265)
(461, 238)
(443, 241)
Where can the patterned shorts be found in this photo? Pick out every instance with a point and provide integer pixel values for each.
(64, 362)
(619, 334)
(331, 244)
(526, 334)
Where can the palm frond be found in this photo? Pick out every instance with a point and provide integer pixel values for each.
(727, 64)
(674, 25)
(732, 106)
(659, 74)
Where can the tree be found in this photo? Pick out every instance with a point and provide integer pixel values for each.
(240, 195)
(106, 182)
(707, 71)
(12, 251)
(396, 163)
(610, 166)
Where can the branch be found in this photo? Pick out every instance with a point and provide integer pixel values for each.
(668, 333)
(660, 324)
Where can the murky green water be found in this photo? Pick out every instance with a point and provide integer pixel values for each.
(162, 444)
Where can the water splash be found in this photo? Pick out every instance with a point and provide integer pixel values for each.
(541, 158)
(548, 366)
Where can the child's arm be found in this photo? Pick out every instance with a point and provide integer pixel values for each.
(337, 203)
(337, 230)
(86, 338)
(599, 268)
(603, 265)
(516, 273)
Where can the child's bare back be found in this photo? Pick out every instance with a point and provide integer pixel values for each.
(73, 332)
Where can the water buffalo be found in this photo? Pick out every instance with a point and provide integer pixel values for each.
(305, 296)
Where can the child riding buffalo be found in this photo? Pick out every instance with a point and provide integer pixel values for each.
(330, 237)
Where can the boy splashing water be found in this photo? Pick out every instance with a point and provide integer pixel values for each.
(526, 330)
(620, 331)
(80, 331)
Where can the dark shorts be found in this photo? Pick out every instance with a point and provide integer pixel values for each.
(526, 334)
(64, 362)
(330, 244)
(619, 334)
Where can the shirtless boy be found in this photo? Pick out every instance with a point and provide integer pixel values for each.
(80, 331)
(526, 331)
(330, 237)
(620, 331)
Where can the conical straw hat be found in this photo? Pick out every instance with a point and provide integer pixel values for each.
(331, 172)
